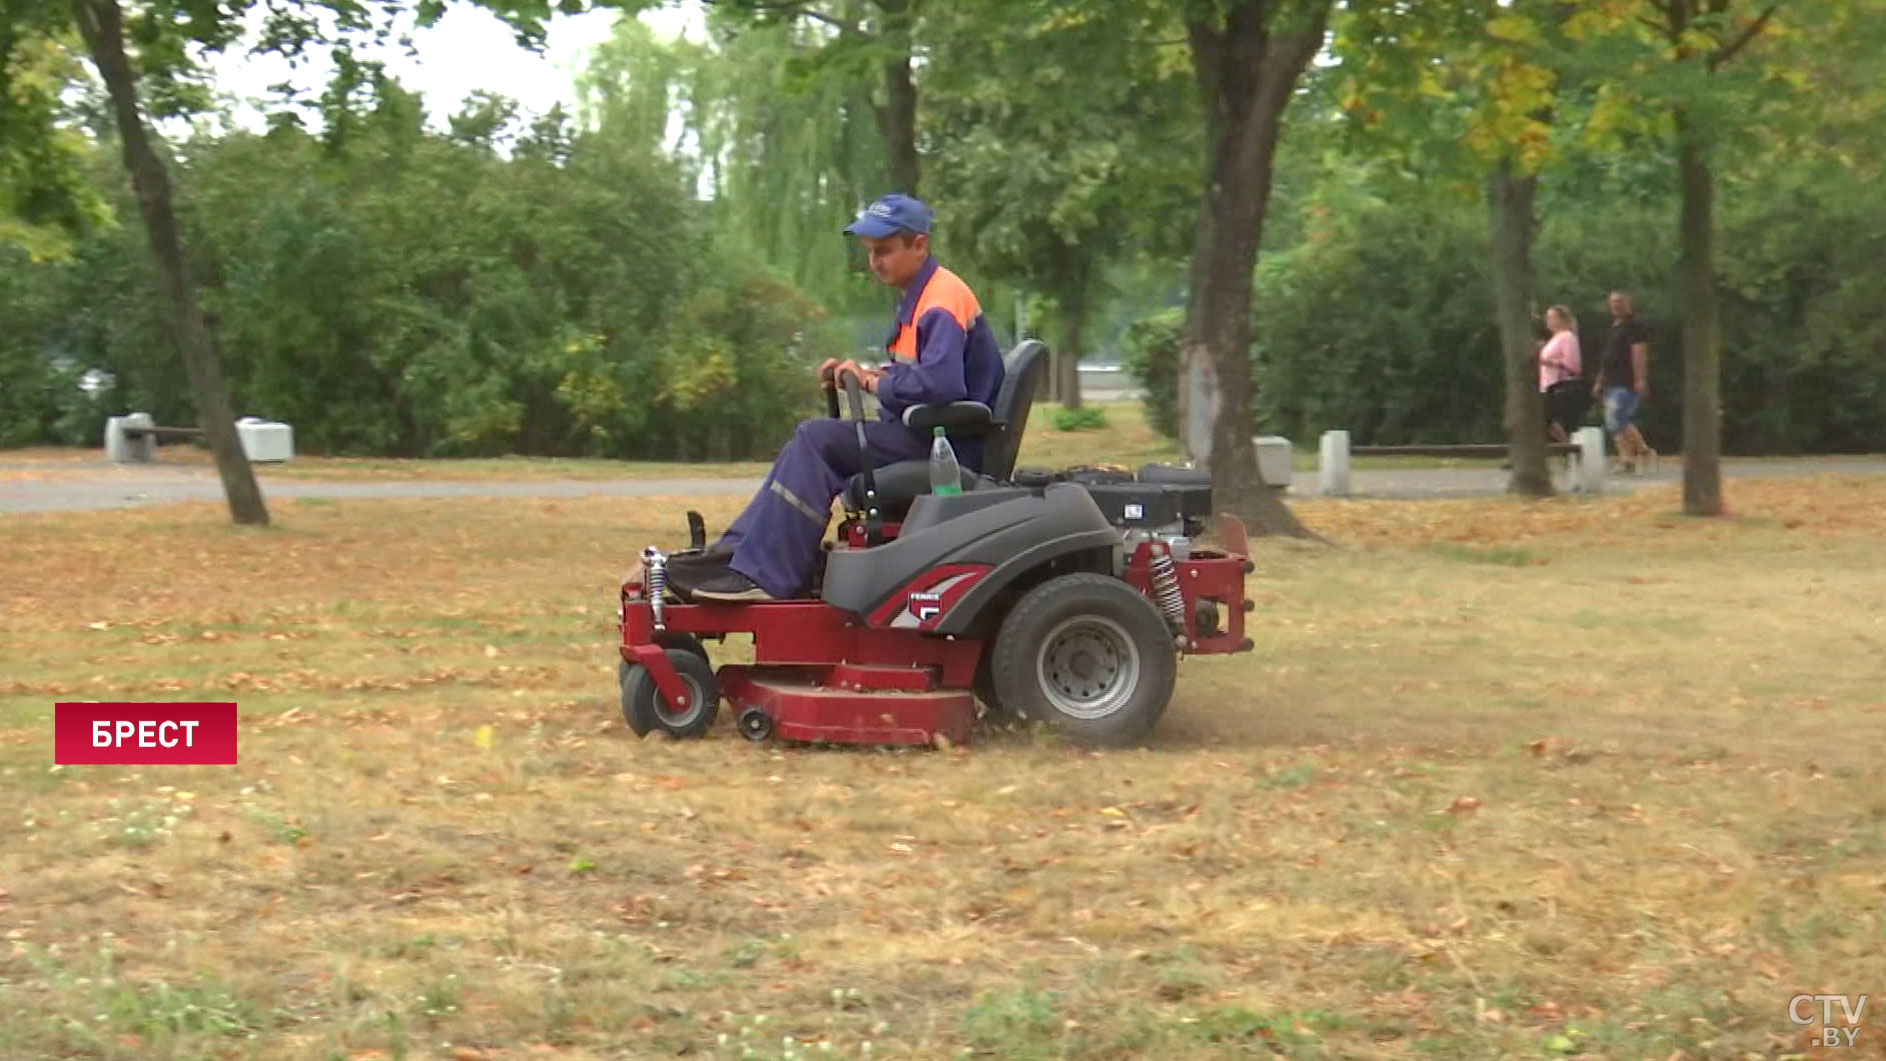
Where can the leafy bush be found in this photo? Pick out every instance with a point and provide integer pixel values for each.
(1150, 351)
(1087, 418)
(406, 293)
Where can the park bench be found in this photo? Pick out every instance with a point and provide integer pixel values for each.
(161, 434)
(1469, 450)
(1584, 457)
(133, 438)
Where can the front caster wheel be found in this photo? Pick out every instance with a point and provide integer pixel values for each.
(754, 724)
(646, 710)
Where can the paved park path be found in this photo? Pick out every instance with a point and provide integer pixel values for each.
(82, 485)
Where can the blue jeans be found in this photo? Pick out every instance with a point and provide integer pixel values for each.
(1620, 409)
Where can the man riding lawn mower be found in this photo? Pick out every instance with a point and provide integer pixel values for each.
(1060, 597)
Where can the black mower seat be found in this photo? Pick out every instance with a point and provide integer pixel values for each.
(1001, 428)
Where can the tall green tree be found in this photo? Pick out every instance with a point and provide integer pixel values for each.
(149, 61)
(1247, 59)
(45, 199)
(101, 23)
(1719, 69)
(1060, 150)
(1469, 93)
(870, 42)
(779, 144)
(1703, 36)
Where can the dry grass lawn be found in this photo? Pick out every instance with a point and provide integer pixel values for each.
(1500, 780)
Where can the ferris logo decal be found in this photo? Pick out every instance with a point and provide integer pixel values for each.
(143, 734)
(924, 609)
(926, 606)
(1801, 1011)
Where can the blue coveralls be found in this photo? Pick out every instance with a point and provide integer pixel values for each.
(941, 350)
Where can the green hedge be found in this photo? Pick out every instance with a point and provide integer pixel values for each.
(411, 293)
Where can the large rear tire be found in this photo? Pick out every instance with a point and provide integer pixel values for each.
(993, 713)
(1089, 656)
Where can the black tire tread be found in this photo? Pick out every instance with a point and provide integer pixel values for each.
(639, 696)
(1014, 652)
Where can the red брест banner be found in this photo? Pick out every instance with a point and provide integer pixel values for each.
(144, 734)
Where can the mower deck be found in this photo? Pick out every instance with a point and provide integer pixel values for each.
(799, 709)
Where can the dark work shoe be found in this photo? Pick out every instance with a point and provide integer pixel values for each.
(712, 554)
(731, 588)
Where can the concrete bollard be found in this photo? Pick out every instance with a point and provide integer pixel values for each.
(121, 448)
(1273, 460)
(115, 442)
(265, 441)
(1591, 461)
(143, 447)
(1333, 462)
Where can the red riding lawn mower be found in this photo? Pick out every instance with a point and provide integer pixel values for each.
(1063, 597)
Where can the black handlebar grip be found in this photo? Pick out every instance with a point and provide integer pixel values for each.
(854, 393)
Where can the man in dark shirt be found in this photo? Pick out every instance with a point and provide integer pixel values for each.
(1623, 382)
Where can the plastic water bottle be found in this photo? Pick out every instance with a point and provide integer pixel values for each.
(946, 476)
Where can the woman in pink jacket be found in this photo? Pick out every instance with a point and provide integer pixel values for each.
(1560, 365)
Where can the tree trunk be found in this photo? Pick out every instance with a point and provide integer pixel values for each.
(1197, 398)
(1070, 396)
(1073, 338)
(897, 118)
(1702, 328)
(1247, 70)
(102, 24)
(1511, 198)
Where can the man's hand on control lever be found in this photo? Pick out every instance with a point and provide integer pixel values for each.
(834, 369)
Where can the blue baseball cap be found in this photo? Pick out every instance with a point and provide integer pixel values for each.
(890, 215)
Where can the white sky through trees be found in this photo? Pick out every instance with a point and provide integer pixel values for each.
(468, 50)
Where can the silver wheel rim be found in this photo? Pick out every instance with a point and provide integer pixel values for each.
(1088, 667)
(685, 717)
